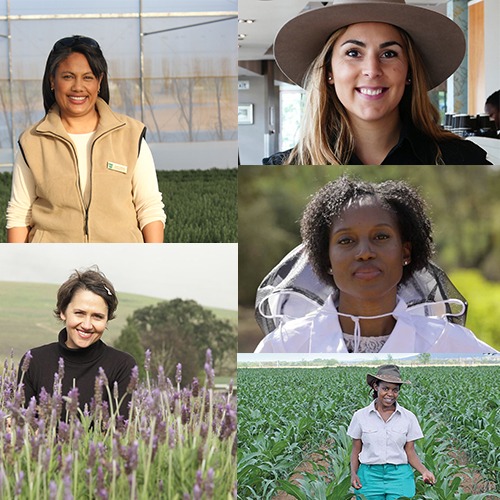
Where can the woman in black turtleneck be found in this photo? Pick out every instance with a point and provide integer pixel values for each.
(85, 303)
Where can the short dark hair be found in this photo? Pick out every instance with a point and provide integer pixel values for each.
(396, 196)
(90, 279)
(96, 61)
(494, 99)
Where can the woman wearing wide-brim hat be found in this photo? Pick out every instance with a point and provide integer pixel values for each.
(383, 451)
(366, 66)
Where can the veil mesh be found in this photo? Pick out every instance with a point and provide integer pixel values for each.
(292, 290)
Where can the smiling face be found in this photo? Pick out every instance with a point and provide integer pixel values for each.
(369, 70)
(86, 318)
(75, 87)
(367, 256)
(387, 393)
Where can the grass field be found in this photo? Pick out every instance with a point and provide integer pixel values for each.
(26, 318)
(201, 205)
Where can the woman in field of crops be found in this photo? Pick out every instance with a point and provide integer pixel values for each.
(384, 435)
(85, 304)
(84, 173)
(366, 68)
(370, 245)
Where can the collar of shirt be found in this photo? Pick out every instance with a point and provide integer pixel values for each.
(326, 335)
(374, 410)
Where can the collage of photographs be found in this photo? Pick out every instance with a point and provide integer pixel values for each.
(314, 314)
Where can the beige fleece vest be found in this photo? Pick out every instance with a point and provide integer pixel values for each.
(59, 213)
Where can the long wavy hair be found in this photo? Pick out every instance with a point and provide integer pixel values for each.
(326, 136)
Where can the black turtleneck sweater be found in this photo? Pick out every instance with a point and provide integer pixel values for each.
(81, 366)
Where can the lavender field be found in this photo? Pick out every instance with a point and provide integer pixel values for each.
(178, 443)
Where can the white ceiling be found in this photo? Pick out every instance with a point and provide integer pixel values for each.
(270, 15)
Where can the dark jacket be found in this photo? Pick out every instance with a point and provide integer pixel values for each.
(415, 148)
(80, 365)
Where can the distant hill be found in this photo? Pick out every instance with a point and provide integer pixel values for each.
(27, 320)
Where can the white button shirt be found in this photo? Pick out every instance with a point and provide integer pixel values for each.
(320, 331)
(383, 442)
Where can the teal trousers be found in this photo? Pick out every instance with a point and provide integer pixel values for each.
(386, 482)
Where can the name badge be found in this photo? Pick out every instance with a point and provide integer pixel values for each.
(117, 167)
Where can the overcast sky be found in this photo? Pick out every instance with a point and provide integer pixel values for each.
(205, 272)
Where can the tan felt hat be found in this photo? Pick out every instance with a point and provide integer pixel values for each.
(439, 40)
(386, 373)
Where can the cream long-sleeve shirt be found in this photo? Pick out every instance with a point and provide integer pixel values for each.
(146, 195)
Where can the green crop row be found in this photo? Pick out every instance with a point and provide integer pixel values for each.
(286, 416)
(201, 205)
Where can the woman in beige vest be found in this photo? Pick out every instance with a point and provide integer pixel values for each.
(84, 173)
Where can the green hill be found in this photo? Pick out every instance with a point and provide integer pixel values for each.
(27, 320)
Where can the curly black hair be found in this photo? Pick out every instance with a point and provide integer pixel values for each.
(396, 196)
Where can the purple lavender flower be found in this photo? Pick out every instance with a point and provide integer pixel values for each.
(171, 437)
(52, 490)
(101, 490)
(72, 402)
(161, 379)
(147, 360)
(210, 375)
(60, 370)
(102, 375)
(208, 357)
(26, 361)
(197, 492)
(134, 377)
(63, 434)
(178, 373)
(132, 457)
(209, 484)
(98, 389)
(185, 414)
(195, 387)
(19, 484)
(204, 430)
(228, 423)
(46, 458)
(92, 455)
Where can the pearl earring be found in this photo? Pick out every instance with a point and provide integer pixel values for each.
(329, 271)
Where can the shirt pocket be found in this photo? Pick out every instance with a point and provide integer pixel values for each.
(398, 435)
(370, 436)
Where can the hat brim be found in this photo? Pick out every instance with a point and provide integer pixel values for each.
(384, 378)
(440, 41)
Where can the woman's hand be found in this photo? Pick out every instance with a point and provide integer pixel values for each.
(355, 482)
(428, 477)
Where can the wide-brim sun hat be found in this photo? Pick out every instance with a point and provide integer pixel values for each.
(386, 373)
(439, 40)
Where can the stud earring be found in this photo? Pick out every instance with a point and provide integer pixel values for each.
(330, 78)
(408, 81)
(405, 262)
(330, 271)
